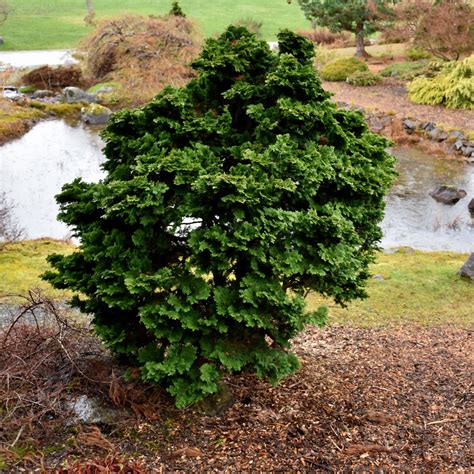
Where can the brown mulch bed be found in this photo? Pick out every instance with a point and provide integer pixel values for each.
(393, 399)
(391, 96)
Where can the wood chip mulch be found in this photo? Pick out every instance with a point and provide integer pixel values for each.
(364, 400)
(386, 400)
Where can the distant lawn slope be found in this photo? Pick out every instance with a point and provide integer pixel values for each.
(58, 24)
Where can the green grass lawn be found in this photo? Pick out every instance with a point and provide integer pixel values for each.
(57, 24)
(417, 287)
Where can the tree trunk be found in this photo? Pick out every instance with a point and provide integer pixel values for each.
(90, 7)
(360, 48)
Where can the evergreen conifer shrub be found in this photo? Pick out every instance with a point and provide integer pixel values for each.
(224, 203)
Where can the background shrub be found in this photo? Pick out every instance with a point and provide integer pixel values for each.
(331, 39)
(341, 69)
(142, 55)
(452, 87)
(54, 78)
(408, 70)
(415, 54)
(225, 203)
(363, 78)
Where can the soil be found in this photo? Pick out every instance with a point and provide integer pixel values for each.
(390, 96)
(394, 399)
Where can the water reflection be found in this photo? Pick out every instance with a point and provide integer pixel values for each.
(34, 168)
(414, 218)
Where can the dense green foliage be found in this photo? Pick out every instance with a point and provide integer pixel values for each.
(360, 17)
(342, 68)
(363, 78)
(453, 86)
(225, 202)
(176, 10)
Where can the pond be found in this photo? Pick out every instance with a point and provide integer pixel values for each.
(20, 59)
(33, 169)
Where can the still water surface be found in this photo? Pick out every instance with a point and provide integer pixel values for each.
(34, 168)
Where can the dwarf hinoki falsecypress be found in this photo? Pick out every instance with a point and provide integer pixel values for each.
(225, 201)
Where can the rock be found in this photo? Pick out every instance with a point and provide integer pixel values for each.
(74, 95)
(41, 94)
(455, 135)
(428, 126)
(95, 114)
(378, 277)
(89, 411)
(437, 134)
(375, 124)
(410, 125)
(470, 206)
(448, 194)
(458, 145)
(467, 270)
(217, 403)
(467, 150)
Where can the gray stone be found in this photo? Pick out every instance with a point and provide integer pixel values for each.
(470, 206)
(378, 277)
(467, 150)
(95, 114)
(74, 95)
(89, 411)
(410, 125)
(428, 126)
(458, 145)
(455, 135)
(41, 94)
(448, 194)
(437, 134)
(375, 124)
(467, 270)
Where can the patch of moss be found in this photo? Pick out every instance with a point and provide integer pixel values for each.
(414, 287)
(57, 109)
(22, 263)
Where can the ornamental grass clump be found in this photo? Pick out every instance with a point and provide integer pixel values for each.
(452, 87)
(225, 202)
(341, 69)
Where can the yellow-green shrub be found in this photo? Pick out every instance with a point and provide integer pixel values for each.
(452, 87)
(363, 78)
(341, 68)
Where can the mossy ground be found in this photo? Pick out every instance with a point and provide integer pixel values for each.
(417, 287)
(22, 263)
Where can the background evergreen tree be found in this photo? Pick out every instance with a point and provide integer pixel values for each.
(225, 203)
(361, 17)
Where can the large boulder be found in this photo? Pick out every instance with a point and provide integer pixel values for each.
(448, 194)
(75, 95)
(470, 206)
(95, 114)
(467, 270)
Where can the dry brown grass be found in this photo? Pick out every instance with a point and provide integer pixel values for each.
(141, 54)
